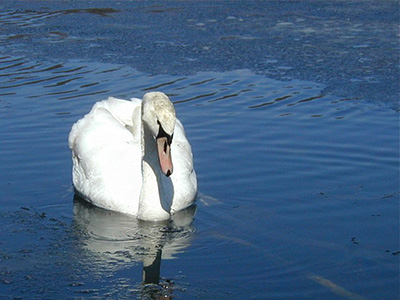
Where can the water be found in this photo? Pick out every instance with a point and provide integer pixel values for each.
(292, 113)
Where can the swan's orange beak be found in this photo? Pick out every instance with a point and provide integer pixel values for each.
(164, 155)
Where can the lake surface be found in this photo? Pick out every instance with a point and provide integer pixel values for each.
(292, 112)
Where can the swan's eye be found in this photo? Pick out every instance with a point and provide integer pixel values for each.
(162, 133)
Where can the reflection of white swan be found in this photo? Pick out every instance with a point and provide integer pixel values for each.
(121, 151)
(117, 239)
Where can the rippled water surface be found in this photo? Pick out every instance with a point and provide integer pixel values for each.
(292, 113)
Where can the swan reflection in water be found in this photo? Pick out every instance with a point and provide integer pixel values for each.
(114, 239)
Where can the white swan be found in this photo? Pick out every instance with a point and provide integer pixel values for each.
(133, 157)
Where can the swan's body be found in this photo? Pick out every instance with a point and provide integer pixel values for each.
(125, 159)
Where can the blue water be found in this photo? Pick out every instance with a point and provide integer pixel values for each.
(292, 112)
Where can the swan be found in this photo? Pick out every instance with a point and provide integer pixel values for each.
(132, 156)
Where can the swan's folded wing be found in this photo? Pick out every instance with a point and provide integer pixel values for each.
(184, 176)
(121, 110)
(106, 161)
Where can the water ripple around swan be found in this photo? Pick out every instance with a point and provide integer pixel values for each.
(274, 158)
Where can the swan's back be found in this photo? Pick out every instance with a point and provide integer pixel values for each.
(106, 154)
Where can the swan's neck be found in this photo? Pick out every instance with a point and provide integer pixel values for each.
(155, 200)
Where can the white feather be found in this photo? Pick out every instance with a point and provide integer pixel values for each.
(107, 163)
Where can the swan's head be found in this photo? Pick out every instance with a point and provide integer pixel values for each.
(158, 113)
